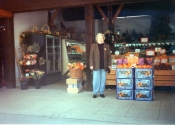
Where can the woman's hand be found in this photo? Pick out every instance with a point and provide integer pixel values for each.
(109, 67)
(91, 67)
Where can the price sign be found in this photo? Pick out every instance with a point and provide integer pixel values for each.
(150, 52)
(173, 51)
(162, 51)
(27, 74)
(144, 40)
(137, 50)
(117, 52)
(164, 60)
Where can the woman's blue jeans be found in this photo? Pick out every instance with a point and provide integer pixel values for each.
(99, 81)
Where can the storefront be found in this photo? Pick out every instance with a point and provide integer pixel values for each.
(89, 39)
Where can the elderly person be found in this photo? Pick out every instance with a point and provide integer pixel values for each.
(100, 62)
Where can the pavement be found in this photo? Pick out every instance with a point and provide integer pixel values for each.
(52, 104)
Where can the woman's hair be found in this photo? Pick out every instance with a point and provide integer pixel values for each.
(100, 34)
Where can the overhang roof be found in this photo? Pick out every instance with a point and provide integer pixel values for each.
(74, 9)
(34, 5)
(131, 9)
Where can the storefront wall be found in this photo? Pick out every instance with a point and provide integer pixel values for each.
(25, 22)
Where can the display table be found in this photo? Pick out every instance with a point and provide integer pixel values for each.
(161, 78)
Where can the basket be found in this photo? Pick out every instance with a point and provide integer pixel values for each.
(45, 29)
(76, 73)
(34, 29)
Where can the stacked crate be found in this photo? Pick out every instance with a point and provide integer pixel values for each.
(74, 85)
(125, 83)
(144, 84)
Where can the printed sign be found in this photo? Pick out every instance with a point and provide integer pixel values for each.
(162, 51)
(137, 50)
(150, 52)
(144, 40)
(174, 51)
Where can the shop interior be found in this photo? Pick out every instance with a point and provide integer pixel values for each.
(142, 32)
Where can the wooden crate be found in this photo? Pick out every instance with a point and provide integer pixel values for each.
(164, 77)
(111, 78)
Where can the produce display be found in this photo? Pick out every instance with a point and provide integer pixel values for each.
(163, 66)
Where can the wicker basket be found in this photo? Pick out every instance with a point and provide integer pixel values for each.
(45, 29)
(76, 73)
(34, 29)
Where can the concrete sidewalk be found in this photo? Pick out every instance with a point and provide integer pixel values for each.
(53, 105)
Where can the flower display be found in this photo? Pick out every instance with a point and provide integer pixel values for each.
(36, 74)
(76, 65)
(23, 78)
(42, 61)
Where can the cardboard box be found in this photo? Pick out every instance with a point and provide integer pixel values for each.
(124, 73)
(125, 94)
(74, 90)
(144, 73)
(144, 95)
(78, 85)
(144, 84)
(73, 81)
(125, 83)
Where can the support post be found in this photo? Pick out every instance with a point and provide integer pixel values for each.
(89, 26)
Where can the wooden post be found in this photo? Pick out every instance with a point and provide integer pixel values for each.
(117, 13)
(9, 53)
(110, 24)
(53, 17)
(89, 24)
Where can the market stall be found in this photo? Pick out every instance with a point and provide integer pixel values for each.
(149, 56)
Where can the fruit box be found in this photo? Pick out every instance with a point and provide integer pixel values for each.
(144, 95)
(144, 84)
(144, 73)
(124, 73)
(124, 94)
(125, 83)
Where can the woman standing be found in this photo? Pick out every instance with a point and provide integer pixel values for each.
(100, 61)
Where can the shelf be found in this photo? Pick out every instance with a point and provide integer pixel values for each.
(75, 53)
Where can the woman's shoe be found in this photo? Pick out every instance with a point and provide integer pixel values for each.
(102, 95)
(94, 96)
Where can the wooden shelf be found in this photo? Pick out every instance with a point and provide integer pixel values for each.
(164, 77)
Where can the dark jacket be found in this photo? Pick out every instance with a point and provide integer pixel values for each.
(95, 56)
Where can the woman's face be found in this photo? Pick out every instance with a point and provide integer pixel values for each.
(100, 39)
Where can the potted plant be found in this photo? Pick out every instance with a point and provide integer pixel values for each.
(24, 82)
(36, 75)
(76, 70)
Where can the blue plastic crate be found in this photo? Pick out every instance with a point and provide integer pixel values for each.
(144, 84)
(144, 95)
(125, 73)
(124, 94)
(125, 83)
(144, 73)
